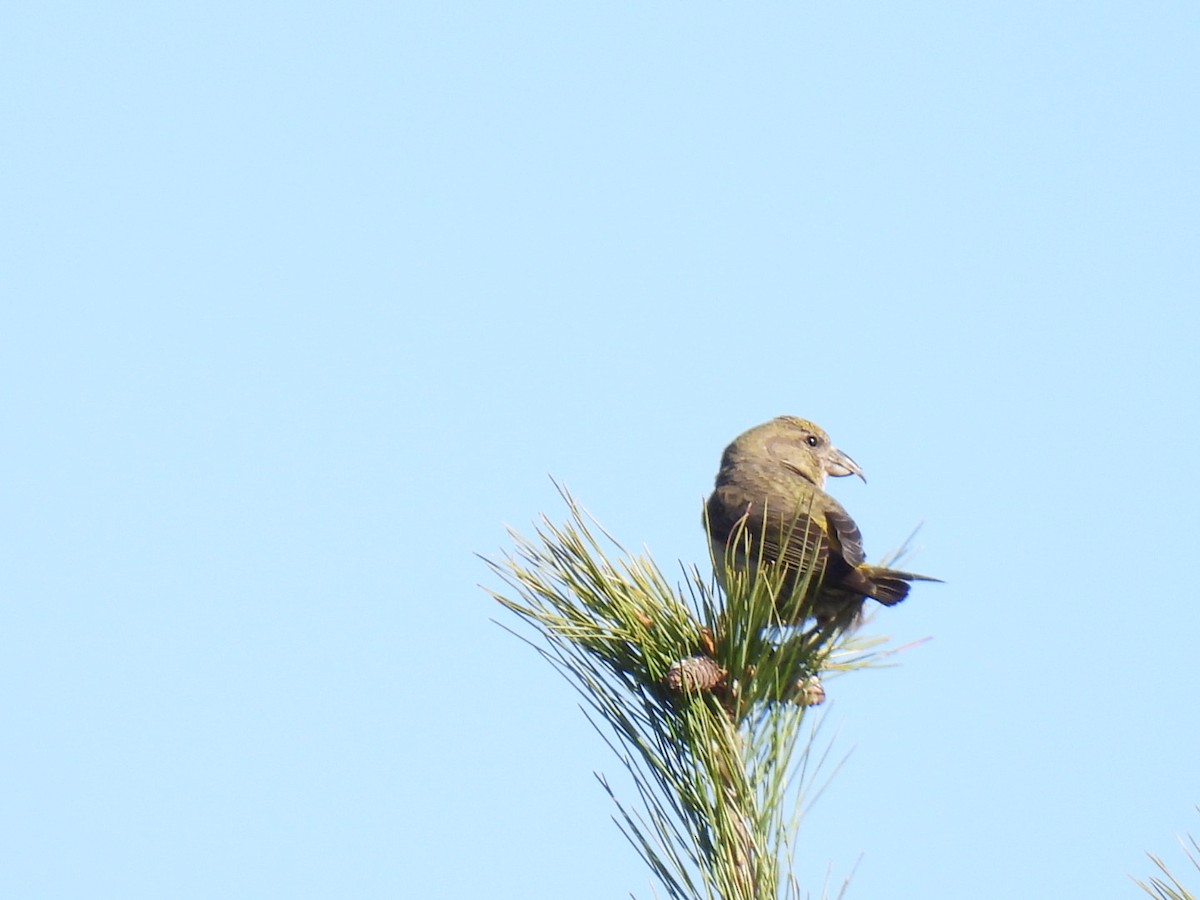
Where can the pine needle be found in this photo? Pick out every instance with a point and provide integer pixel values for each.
(699, 692)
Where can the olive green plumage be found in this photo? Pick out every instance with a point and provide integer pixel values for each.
(768, 503)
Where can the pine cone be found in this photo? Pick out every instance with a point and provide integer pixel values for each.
(694, 674)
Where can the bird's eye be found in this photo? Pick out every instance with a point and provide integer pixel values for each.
(811, 440)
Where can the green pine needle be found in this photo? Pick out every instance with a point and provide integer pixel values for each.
(722, 770)
(1169, 887)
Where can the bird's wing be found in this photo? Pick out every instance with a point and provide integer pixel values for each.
(844, 534)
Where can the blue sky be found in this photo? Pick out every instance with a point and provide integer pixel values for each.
(305, 302)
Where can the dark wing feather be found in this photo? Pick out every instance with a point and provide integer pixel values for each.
(846, 537)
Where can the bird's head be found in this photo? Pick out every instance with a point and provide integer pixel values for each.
(796, 444)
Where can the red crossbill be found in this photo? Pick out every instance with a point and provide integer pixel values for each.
(769, 503)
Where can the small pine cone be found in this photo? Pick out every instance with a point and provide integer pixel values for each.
(694, 674)
(810, 691)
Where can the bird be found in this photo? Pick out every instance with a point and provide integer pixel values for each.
(769, 505)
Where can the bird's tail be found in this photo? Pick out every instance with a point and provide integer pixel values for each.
(890, 586)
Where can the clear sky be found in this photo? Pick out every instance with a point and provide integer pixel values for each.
(303, 302)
